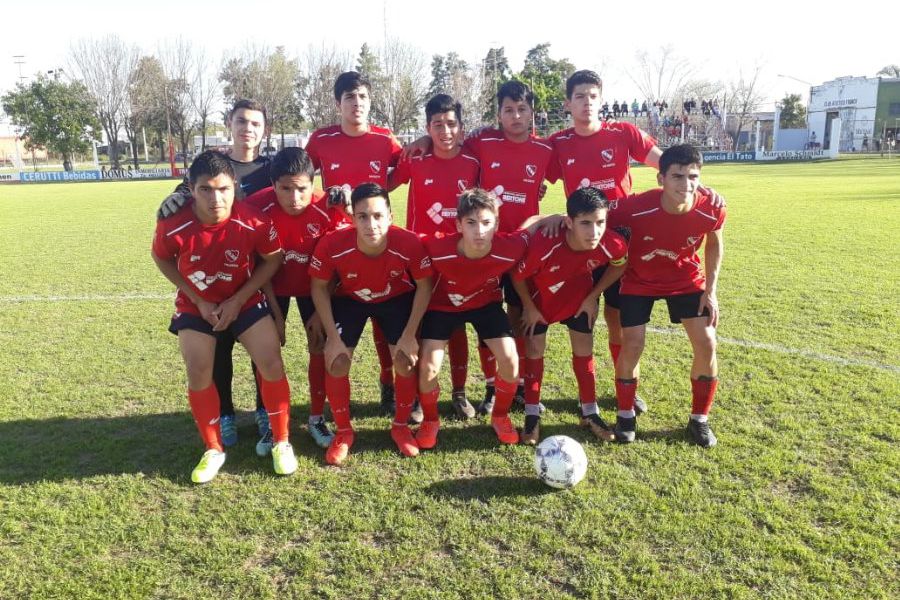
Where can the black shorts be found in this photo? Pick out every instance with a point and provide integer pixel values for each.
(350, 316)
(242, 323)
(510, 295)
(579, 324)
(304, 304)
(489, 321)
(610, 294)
(635, 310)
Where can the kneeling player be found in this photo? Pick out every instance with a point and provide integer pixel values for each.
(469, 265)
(667, 226)
(209, 253)
(556, 285)
(302, 219)
(382, 273)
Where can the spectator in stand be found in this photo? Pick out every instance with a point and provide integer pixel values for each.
(635, 108)
(704, 108)
(604, 110)
(644, 108)
(616, 109)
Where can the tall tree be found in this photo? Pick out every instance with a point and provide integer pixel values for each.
(661, 74)
(105, 65)
(146, 102)
(793, 113)
(398, 97)
(495, 71)
(322, 66)
(368, 63)
(55, 115)
(176, 58)
(547, 77)
(204, 91)
(890, 71)
(744, 99)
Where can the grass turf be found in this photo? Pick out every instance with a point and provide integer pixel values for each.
(800, 499)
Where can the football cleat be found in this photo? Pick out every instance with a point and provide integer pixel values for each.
(598, 427)
(416, 415)
(486, 406)
(426, 436)
(229, 430)
(505, 431)
(640, 407)
(320, 433)
(625, 428)
(262, 422)
(339, 448)
(264, 445)
(388, 406)
(531, 433)
(283, 459)
(701, 434)
(461, 405)
(208, 467)
(406, 442)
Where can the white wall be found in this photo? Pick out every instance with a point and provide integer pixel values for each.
(854, 99)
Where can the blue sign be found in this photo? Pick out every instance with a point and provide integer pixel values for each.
(41, 176)
(710, 157)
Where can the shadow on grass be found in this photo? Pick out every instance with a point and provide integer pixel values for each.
(487, 488)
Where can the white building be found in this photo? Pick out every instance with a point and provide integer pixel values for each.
(869, 109)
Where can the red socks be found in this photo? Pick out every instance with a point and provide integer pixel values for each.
(520, 350)
(384, 355)
(205, 408)
(338, 391)
(503, 396)
(429, 403)
(405, 396)
(488, 363)
(585, 375)
(626, 389)
(316, 373)
(703, 391)
(534, 376)
(459, 358)
(276, 397)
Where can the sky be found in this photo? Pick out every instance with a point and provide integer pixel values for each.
(803, 42)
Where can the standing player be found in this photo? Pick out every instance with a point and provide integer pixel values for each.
(557, 285)
(436, 180)
(209, 252)
(348, 155)
(247, 123)
(469, 266)
(598, 154)
(382, 273)
(301, 219)
(667, 227)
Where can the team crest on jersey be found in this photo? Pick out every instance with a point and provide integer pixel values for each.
(426, 262)
(461, 185)
(314, 229)
(531, 170)
(376, 166)
(232, 255)
(607, 155)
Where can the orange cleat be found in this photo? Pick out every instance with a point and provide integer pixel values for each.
(406, 442)
(506, 433)
(426, 436)
(339, 448)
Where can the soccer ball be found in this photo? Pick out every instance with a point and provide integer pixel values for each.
(560, 462)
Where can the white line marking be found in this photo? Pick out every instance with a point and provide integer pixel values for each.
(838, 360)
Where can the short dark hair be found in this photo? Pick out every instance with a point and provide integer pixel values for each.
(369, 190)
(585, 200)
(249, 104)
(211, 164)
(682, 154)
(581, 77)
(442, 103)
(516, 91)
(475, 199)
(349, 81)
(291, 161)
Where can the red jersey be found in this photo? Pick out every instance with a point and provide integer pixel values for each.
(663, 246)
(216, 260)
(299, 235)
(371, 278)
(514, 172)
(343, 160)
(468, 283)
(560, 278)
(435, 186)
(599, 160)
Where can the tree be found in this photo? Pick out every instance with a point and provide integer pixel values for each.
(176, 58)
(450, 74)
(744, 99)
(890, 71)
(495, 71)
(367, 63)
(547, 78)
(661, 75)
(204, 91)
(105, 66)
(316, 88)
(55, 115)
(146, 101)
(793, 113)
(403, 88)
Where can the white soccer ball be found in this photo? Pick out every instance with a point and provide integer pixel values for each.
(560, 462)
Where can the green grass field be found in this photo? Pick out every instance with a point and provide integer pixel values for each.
(800, 499)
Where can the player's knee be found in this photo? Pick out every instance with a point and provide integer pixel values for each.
(271, 367)
(534, 346)
(507, 368)
(199, 375)
(428, 374)
(402, 365)
(316, 346)
(340, 366)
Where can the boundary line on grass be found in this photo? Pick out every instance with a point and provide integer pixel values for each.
(838, 360)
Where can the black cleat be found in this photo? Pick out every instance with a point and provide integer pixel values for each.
(416, 416)
(519, 398)
(486, 406)
(640, 407)
(461, 406)
(598, 427)
(388, 406)
(624, 430)
(531, 433)
(701, 434)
